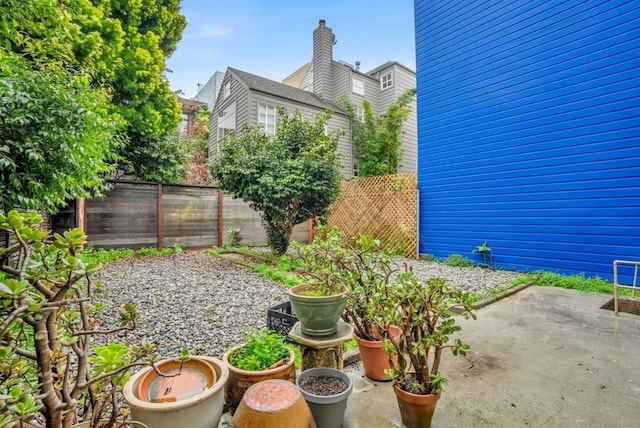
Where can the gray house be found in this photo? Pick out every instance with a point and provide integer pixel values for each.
(247, 99)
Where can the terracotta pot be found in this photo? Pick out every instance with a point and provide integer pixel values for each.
(203, 410)
(374, 360)
(186, 380)
(273, 403)
(318, 315)
(416, 410)
(240, 380)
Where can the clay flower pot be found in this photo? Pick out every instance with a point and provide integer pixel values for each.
(416, 410)
(273, 403)
(328, 410)
(374, 360)
(318, 315)
(240, 380)
(195, 409)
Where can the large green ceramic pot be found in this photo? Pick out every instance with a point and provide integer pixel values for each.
(318, 315)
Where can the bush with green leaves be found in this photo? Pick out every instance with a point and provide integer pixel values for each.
(50, 364)
(261, 349)
(458, 260)
(425, 313)
(289, 178)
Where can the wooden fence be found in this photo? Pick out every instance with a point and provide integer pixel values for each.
(385, 207)
(138, 214)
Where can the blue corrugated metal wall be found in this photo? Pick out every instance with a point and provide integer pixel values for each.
(529, 131)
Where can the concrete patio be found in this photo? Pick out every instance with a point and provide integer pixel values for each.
(544, 357)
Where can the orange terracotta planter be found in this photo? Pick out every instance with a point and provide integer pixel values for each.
(374, 360)
(416, 410)
(240, 380)
(273, 403)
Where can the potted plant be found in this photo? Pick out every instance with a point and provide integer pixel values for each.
(425, 314)
(320, 303)
(263, 355)
(326, 391)
(51, 372)
(366, 271)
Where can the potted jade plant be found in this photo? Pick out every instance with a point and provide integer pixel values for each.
(366, 270)
(51, 371)
(263, 355)
(425, 313)
(319, 304)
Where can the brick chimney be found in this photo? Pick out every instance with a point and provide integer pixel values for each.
(323, 40)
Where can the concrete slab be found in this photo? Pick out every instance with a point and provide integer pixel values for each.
(544, 357)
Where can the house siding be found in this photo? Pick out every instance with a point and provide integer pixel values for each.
(239, 95)
(528, 118)
(406, 80)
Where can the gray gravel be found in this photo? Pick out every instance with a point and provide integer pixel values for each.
(205, 304)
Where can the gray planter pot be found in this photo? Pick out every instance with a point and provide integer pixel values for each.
(328, 411)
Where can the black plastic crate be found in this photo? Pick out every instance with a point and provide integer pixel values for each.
(281, 319)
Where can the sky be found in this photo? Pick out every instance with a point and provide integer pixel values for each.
(273, 38)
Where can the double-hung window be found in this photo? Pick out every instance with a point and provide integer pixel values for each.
(267, 118)
(227, 121)
(227, 90)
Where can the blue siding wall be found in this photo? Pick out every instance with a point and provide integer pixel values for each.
(529, 131)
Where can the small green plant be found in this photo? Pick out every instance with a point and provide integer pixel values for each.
(261, 350)
(232, 238)
(486, 253)
(147, 251)
(177, 248)
(457, 260)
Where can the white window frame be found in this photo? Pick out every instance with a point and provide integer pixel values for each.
(227, 121)
(360, 113)
(386, 80)
(227, 90)
(357, 86)
(269, 126)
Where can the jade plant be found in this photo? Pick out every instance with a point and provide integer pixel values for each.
(262, 350)
(360, 265)
(52, 371)
(425, 313)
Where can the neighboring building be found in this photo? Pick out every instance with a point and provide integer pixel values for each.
(331, 79)
(528, 132)
(247, 99)
(208, 93)
(189, 107)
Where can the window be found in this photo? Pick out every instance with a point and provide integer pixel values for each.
(386, 80)
(357, 86)
(360, 113)
(184, 125)
(227, 122)
(227, 90)
(267, 118)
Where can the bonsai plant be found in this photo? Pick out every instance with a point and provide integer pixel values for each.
(50, 373)
(424, 312)
(366, 271)
(263, 355)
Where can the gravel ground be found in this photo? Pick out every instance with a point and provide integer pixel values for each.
(205, 303)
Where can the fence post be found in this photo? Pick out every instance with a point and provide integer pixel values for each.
(81, 214)
(220, 219)
(159, 222)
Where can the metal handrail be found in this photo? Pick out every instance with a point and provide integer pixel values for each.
(617, 285)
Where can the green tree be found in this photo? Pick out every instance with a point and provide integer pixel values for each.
(378, 141)
(289, 177)
(123, 45)
(57, 135)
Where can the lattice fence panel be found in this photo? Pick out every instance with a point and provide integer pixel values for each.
(384, 207)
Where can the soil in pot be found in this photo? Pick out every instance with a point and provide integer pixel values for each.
(323, 385)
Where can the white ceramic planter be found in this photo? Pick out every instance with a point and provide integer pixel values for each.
(202, 411)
